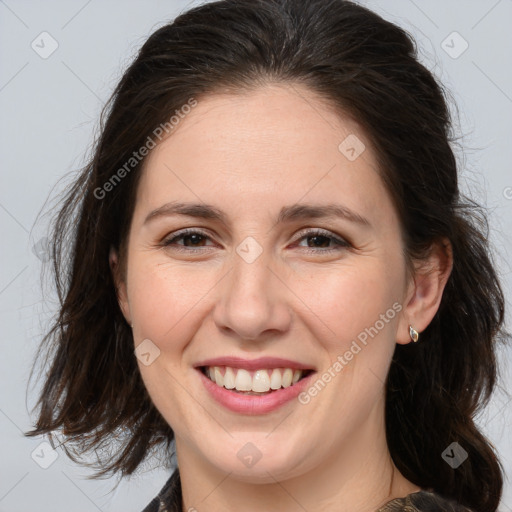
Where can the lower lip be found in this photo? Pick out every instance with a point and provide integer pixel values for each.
(253, 404)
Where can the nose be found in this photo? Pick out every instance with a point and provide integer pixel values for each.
(253, 301)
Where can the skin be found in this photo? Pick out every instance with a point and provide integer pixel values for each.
(250, 155)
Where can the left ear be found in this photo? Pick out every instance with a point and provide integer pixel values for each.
(426, 290)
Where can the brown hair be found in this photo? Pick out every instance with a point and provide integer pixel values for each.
(362, 65)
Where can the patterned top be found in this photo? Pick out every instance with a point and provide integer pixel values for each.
(169, 499)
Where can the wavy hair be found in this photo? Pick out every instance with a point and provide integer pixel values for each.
(363, 66)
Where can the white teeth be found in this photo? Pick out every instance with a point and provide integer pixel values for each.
(275, 379)
(229, 379)
(287, 377)
(243, 381)
(219, 379)
(261, 381)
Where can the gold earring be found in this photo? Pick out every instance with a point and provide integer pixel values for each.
(413, 333)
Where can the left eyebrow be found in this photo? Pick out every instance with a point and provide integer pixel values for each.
(309, 211)
(287, 213)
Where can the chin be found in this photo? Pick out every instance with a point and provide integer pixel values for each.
(256, 462)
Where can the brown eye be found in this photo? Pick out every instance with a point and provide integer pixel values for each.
(321, 239)
(191, 238)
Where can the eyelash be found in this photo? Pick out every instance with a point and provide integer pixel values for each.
(342, 244)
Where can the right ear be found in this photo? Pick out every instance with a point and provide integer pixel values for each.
(120, 284)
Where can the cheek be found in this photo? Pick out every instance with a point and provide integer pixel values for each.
(165, 298)
(166, 305)
(355, 318)
(347, 300)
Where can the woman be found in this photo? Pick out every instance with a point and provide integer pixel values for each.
(271, 265)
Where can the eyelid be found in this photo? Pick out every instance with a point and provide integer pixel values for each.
(311, 231)
(184, 232)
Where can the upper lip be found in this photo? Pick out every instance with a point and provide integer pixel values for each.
(254, 364)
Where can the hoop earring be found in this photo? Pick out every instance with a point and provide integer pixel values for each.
(413, 333)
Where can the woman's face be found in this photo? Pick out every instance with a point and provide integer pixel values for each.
(263, 276)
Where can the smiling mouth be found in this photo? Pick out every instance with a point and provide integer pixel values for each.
(256, 382)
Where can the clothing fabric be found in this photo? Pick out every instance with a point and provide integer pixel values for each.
(169, 499)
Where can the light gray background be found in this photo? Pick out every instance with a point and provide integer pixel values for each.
(49, 110)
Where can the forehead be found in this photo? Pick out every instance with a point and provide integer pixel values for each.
(274, 145)
(264, 121)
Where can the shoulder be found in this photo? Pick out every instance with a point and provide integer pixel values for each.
(169, 497)
(424, 501)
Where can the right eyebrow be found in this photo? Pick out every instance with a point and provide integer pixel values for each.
(198, 210)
